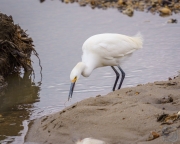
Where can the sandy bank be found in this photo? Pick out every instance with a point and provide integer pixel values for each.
(126, 116)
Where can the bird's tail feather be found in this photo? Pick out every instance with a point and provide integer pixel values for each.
(138, 38)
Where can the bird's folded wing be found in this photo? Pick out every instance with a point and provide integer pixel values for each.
(115, 50)
(111, 46)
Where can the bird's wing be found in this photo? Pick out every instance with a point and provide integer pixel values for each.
(110, 46)
(115, 48)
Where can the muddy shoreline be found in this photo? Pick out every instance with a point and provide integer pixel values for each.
(129, 115)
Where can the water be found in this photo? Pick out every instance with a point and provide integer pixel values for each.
(58, 31)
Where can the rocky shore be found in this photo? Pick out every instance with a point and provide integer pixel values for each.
(163, 7)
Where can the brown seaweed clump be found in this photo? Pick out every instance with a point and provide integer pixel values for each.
(15, 47)
(3, 84)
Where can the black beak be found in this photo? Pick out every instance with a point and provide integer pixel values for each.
(71, 90)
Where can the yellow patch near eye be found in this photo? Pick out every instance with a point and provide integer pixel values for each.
(74, 80)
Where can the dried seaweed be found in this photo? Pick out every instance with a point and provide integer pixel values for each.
(16, 47)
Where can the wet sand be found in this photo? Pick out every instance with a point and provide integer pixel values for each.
(125, 116)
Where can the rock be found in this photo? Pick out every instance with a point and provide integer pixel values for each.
(66, 1)
(129, 11)
(153, 135)
(121, 2)
(164, 11)
(172, 21)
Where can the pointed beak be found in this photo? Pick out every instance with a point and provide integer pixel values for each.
(71, 90)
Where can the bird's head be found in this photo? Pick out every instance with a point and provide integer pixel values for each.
(74, 76)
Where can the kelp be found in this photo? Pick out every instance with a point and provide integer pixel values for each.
(16, 47)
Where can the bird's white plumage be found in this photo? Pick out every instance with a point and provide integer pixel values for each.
(107, 49)
(90, 141)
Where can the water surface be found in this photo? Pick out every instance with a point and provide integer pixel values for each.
(58, 31)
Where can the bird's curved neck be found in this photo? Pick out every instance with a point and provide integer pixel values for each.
(86, 69)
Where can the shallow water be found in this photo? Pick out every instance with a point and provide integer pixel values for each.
(58, 31)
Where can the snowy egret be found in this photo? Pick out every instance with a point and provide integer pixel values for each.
(104, 50)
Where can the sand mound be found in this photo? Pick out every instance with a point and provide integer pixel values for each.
(129, 115)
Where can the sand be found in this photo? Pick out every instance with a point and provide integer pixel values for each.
(126, 116)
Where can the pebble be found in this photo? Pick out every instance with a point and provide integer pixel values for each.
(172, 21)
(164, 11)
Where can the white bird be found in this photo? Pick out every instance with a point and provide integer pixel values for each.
(90, 141)
(104, 50)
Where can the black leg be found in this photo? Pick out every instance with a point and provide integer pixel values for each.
(122, 78)
(117, 77)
